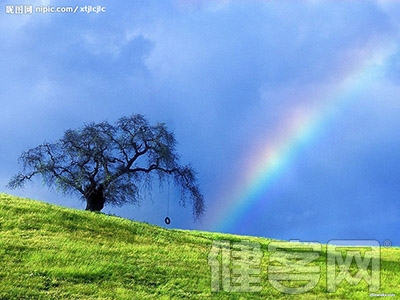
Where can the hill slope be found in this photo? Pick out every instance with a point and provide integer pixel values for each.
(51, 252)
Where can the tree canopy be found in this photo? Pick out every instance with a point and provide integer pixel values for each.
(111, 163)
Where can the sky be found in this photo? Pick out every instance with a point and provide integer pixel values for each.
(288, 110)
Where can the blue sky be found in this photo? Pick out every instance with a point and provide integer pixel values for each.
(226, 77)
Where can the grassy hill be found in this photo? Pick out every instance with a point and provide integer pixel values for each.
(51, 252)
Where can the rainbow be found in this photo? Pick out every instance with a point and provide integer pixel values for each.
(301, 129)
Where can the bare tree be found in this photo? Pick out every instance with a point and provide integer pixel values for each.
(107, 163)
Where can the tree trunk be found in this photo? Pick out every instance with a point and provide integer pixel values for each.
(95, 198)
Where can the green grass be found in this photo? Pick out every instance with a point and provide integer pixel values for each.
(51, 252)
